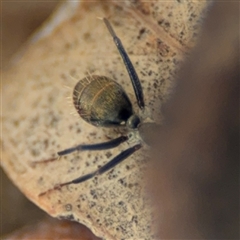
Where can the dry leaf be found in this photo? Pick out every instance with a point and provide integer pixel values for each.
(37, 120)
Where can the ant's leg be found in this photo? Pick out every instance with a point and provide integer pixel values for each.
(129, 66)
(99, 146)
(116, 160)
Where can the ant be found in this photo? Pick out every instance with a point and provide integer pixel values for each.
(102, 102)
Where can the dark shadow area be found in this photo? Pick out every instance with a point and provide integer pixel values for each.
(195, 172)
(16, 210)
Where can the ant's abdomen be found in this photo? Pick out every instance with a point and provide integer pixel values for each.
(102, 102)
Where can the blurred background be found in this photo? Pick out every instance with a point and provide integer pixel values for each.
(19, 20)
(195, 172)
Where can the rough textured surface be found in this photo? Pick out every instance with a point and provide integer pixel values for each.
(37, 120)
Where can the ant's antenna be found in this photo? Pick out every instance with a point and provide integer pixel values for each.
(128, 64)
